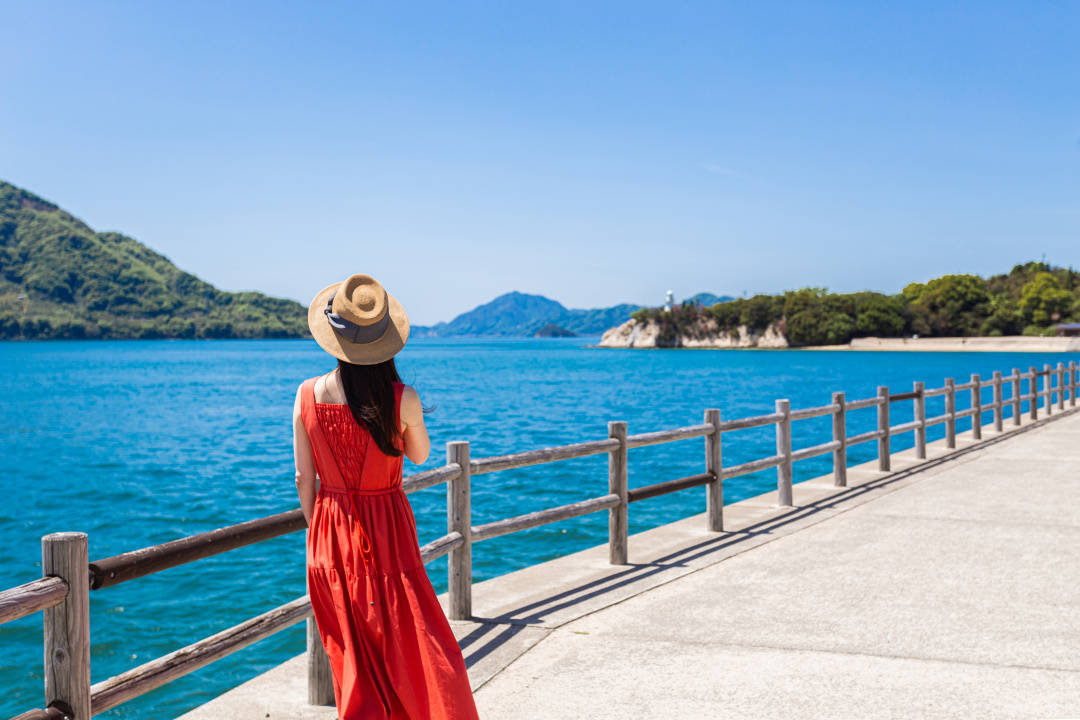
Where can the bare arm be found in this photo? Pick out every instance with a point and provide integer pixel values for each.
(305, 463)
(417, 442)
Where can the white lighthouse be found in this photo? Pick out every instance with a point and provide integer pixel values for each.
(669, 300)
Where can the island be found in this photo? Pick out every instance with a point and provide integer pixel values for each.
(1020, 310)
(551, 330)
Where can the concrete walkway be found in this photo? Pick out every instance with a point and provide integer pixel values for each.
(946, 588)
(957, 595)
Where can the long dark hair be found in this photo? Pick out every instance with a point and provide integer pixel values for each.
(369, 392)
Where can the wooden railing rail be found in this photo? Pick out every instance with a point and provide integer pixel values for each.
(28, 598)
(62, 594)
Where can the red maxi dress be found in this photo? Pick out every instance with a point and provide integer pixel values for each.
(391, 649)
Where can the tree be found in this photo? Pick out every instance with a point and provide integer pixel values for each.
(1043, 301)
(948, 305)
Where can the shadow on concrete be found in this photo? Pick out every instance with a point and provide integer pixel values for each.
(494, 631)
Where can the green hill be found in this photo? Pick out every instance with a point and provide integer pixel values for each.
(61, 279)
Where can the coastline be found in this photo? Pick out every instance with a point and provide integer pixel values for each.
(1011, 343)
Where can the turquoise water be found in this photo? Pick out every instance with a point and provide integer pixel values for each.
(140, 442)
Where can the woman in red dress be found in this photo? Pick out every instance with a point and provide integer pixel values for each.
(392, 652)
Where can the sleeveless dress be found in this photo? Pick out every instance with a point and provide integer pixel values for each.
(392, 652)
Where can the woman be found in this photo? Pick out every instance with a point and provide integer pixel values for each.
(392, 652)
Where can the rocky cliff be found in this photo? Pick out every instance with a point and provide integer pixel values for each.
(703, 333)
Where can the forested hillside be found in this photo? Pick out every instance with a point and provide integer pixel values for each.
(1028, 300)
(61, 279)
(522, 314)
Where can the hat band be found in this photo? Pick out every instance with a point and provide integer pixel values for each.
(350, 330)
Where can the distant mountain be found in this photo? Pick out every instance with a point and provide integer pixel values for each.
(61, 279)
(520, 314)
(517, 314)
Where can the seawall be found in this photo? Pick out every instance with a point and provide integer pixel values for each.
(1016, 343)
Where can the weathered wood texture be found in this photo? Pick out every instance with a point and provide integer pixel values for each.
(920, 417)
(441, 546)
(750, 422)
(543, 517)
(746, 468)
(1072, 383)
(950, 413)
(543, 455)
(320, 679)
(459, 520)
(904, 427)
(813, 412)
(1048, 389)
(67, 624)
(714, 491)
(999, 403)
(137, 563)
(815, 450)
(618, 515)
(1016, 397)
(664, 436)
(28, 598)
(884, 437)
(783, 450)
(976, 405)
(428, 478)
(144, 678)
(864, 403)
(50, 713)
(1033, 392)
(863, 437)
(839, 436)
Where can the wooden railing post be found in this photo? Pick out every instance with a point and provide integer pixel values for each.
(950, 413)
(459, 519)
(67, 625)
(999, 403)
(1016, 397)
(1048, 389)
(883, 428)
(976, 404)
(320, 677)
(783, 449)
(1033, 386)
(839, 435)
(1061, 385)
(920, 418)
(618, 516)
(1072, 383)
(714, 491)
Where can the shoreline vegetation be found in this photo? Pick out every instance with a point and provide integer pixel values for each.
(1027, 301)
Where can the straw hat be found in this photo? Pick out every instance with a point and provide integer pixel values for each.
(357, 321)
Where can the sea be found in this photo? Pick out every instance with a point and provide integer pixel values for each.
(137, 442)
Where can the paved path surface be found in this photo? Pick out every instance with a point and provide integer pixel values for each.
(946, 588)
(955, 596)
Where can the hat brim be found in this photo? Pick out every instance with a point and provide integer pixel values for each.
(369, 353)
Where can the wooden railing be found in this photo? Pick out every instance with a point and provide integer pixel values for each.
(62, 594)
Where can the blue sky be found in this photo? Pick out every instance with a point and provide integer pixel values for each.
(592, 152)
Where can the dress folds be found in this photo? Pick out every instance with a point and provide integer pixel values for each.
(392, 652)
